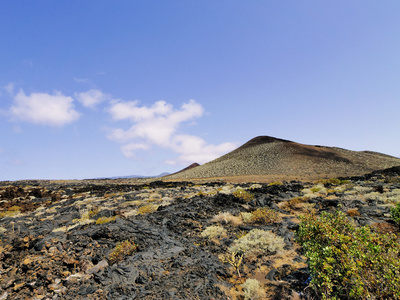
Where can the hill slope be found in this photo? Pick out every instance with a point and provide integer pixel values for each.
(287, 160)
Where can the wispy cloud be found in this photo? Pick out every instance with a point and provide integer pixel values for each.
(81, 80)
(9, 88)
(91, 98)
(158, 125)
(43, 108)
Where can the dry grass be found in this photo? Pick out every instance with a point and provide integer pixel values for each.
(227, 218)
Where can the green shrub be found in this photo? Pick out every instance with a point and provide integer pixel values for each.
(258, 242)
(347, 262)
(395, 213)
(121, 251)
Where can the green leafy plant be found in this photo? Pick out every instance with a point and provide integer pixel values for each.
(347, 262)
(395, 213)
(121, 250)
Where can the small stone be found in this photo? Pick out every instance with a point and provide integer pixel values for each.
(18, 286)
(65, 273)
(27, 261)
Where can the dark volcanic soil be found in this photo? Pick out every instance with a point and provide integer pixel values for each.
(56, 238)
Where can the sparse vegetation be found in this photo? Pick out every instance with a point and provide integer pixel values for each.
(121, 251)
(146, 209)
(243, 194)
(252, 290)
(104, 220)
(246, 217)
(348, 262)
(264, 216)
(12, 211)
(334, 181)
(275, 183)
(214, 232)
(257, 242)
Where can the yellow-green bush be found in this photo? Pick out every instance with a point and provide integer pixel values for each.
(12, 211)
(121, 251)
(252, 290)
(214, 232)
(149, 208)
(264, 216)
(347, 262)
(243, 194)
(103, 220)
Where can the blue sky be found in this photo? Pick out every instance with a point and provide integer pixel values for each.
(113, 88)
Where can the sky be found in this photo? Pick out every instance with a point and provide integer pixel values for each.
(100, 88)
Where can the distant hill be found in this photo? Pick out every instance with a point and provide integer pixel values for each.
(280, 159)
(134, 176)
(193, 165)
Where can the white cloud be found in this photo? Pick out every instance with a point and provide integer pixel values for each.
(158, 125)
(43, 108)
(129, 149)
(81, 80)
(9, 88)
(91, 98)
(195, 149)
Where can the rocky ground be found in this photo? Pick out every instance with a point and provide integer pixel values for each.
(124, 240)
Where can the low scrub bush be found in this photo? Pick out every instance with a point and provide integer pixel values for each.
(334, 181)
(252, 290)
(104, 220)
(347, 262)
(258, 242)
(242, 194)
(264, 216)
(12, 211)
(121, 251)
(246, 217)
(146, 209)
(214, 232)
